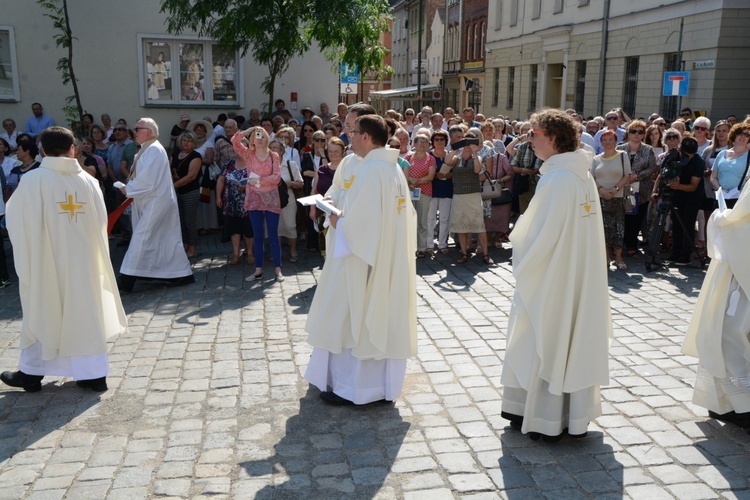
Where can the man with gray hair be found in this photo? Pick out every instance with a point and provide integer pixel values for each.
(156, 250)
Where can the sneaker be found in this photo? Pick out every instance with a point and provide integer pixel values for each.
(5, 283)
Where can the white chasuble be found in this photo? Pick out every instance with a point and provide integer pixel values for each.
(560, 325)
(366, 301)
(57, 223)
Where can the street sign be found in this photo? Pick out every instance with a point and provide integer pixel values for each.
(348, 88)
(349, 73)
(676, 83)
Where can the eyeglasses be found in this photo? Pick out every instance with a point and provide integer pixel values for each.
(696, 127)
(745, 134)
(532, 133)
(612, 118)
(409, 114)
(120, 129)
(140, 128)
(671, 136)
(357, 132)
(439, 139)
(685, 114)
(637, 132)
(319, 140)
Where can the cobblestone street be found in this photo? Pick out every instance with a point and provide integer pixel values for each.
(206, 399)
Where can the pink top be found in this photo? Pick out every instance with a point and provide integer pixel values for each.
(421, 168)
(266, 196)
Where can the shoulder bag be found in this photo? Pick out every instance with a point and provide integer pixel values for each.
(630, 197)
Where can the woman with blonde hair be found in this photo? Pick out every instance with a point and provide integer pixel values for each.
(292, 177)
(261, 193)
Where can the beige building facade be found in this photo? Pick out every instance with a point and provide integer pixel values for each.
(128, 66)
(550, 53)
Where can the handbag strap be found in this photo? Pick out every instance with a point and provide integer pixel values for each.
(744, 174)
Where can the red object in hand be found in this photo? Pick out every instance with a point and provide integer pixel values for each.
(116, 213)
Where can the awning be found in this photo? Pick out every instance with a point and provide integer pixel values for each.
(404, 92)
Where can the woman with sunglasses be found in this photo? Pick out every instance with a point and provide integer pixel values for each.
(729, 171)
(409, 120)
(261, 194)
(305, 142)
(311, 162)
(642, 164)
(442, 192)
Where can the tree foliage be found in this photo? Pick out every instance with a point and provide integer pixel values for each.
(275, 31)
(57, 11)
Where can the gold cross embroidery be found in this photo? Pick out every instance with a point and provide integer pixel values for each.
(71, 208)
(348, 183)
(401, 202)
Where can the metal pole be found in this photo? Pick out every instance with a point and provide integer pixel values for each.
(419, 57)
(680, 62)
(603, 58)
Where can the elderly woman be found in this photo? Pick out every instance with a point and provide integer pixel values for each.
(611, 172)
(203, 130)
(26, 155)
(10, 134)
(87, 149)
(231, 190)
(421, 172)
(643, 164)
(490, 139)
(499, 221)
(731, 165)
(186, 165)
(442, 191)
(409, 120)
(557, 350)
(6, 162)
(311, 162)
(467, 211)
(292, 177)
(262, 194)
(287, 137)
(99, 136)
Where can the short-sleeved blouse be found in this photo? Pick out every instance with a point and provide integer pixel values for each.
(233, 197)
(421, 168)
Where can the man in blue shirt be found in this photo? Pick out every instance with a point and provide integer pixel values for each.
(38, 122)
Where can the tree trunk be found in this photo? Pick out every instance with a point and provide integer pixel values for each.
(73, 81)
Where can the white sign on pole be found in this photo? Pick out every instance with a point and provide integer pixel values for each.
(348, 88)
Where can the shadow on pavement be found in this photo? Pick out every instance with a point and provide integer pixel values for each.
(725, 449)
(535, 469)
(332, 451)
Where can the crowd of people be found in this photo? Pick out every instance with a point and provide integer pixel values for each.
(567, 193)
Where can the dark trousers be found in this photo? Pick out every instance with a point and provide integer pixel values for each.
(312, 234)
(257, 217)
(3, 262)
(683, 240)
(633, 223)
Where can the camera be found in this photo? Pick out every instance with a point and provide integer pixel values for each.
(258, 134)
(469, 141)
(670, 170)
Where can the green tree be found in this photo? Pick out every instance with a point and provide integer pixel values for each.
(275, 31)
(57, 10)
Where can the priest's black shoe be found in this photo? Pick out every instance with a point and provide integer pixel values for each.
(738, 419)
(334, 399)
(95, 384)
(516, 421)
(29, 383)
(185, 280)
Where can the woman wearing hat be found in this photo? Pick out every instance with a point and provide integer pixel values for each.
(203, 130)
(177, 129)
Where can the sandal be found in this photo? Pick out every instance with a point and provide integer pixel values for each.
(487, 260)
(621, 265)
(293, 259)
(462, 259)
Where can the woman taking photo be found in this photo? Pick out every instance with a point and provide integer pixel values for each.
(730, 165)
(643, 165)
(261, 194)
(322, 183)
(611, 172)
(442, 192)
(186, 165)
(292, 177)
(467, 211)
(421, 172)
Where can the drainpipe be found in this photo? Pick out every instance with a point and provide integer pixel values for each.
(603, 58)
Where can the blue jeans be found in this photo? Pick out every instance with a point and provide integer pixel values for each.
(257, 217)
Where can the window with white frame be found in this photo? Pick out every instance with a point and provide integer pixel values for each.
(513, 12)
(9, 85)
(498, 14)
(188, 71)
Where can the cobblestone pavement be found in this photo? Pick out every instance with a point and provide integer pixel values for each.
(207, 399)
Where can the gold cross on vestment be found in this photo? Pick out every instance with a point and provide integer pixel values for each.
(71, 208)
(348, 183)
(401, 202)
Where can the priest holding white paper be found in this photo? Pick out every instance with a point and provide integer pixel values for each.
(560, 325)
(719, 331)
(362, 321)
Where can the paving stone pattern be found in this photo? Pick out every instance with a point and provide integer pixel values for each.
(207, 399)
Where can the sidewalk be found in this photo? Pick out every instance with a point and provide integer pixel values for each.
(207, 399)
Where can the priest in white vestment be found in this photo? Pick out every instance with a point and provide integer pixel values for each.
(57, 223)
(719, 331)
(362, 321)
(560, 325)
(156, 250)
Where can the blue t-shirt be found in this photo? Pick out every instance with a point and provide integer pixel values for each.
(730, 171)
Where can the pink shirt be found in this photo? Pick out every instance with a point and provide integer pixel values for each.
(421, 168)
(266, 196)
